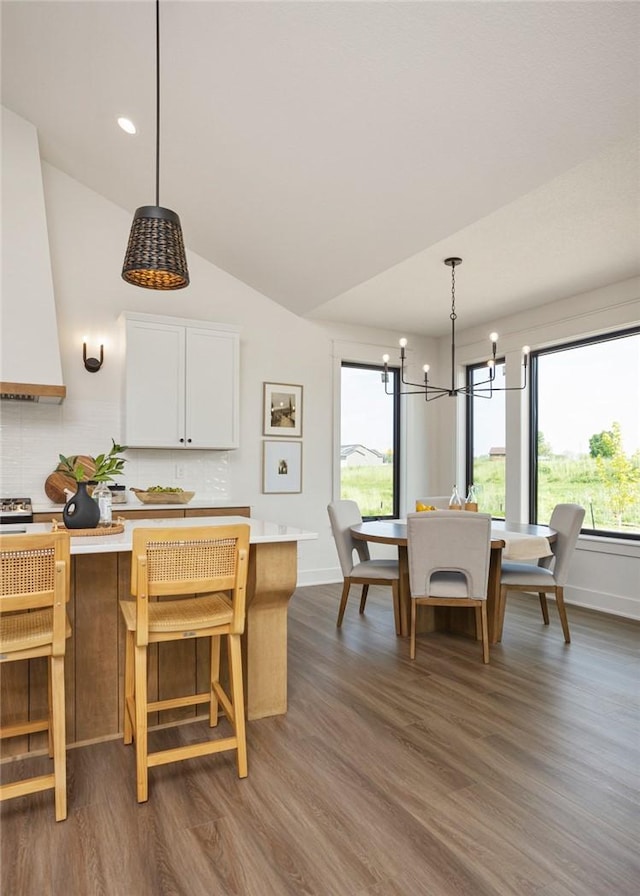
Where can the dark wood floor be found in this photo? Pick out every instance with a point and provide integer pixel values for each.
(386, 778)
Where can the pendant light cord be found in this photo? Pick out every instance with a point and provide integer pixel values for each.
(157, 102)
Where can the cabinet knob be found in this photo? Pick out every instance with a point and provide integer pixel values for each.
(189, 440)
(182, 440)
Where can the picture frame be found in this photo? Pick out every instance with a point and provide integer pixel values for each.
(281, 468)
(282, 410)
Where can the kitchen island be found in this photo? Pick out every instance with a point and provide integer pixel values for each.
(94, 668)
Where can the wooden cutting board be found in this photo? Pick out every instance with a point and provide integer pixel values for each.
(57, 481)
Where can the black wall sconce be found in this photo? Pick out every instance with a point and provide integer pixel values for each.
(93, 365)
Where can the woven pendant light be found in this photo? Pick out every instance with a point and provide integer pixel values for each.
(155, 256)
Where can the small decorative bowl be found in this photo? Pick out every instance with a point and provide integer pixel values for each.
(163, 497)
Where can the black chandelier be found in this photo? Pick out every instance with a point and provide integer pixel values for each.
(155, 256)
(483, 389)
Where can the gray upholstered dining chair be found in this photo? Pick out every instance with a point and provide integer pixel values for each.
(550, 574)
(449, 554)
(363, 570)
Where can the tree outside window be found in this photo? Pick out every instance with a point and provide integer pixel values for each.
(586, 400)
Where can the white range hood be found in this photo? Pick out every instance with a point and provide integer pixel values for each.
(30, 368)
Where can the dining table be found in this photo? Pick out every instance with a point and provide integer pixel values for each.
(514, 541)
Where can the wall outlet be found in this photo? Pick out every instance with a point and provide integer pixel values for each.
(179, 471)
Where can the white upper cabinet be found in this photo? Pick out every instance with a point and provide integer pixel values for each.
(181, 387)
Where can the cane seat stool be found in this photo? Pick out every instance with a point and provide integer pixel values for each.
(34, 591)
(198, 577)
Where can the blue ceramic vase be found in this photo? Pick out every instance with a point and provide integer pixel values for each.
(81, 511)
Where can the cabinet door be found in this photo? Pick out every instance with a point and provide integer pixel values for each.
(154, 385)
(212, 401)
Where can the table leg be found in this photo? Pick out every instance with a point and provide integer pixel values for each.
(493, 593)
(270, 584)
(405, 590)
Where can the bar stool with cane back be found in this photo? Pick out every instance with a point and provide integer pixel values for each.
(34, 591)
(204, 571)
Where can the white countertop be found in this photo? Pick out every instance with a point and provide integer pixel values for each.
(134, 504)
(262, 532)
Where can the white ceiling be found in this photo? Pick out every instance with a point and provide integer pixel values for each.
(332, 154)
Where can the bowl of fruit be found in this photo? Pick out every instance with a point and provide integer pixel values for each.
(161, 494)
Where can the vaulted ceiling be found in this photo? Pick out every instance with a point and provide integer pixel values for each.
(332, 154)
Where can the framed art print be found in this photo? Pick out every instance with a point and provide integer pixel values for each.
(282, 410)
(281, 468)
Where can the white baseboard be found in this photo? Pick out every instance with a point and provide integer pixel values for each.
(616, 604)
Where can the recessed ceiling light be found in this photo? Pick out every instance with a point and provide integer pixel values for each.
(127, 125)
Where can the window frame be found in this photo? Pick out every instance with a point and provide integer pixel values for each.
(534, 417)
(468, 468)
(394, 373)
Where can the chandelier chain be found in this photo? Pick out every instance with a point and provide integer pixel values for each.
(453, 314)
(157, 102)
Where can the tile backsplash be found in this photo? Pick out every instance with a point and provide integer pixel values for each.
(33, 435)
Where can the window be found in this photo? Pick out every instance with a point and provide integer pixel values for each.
(369, 440)
(486, 439)
(585, 425)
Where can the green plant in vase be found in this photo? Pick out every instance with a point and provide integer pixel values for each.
(83, 511)
(107, 466)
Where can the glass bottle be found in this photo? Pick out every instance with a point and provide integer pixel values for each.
(102, 496)
(455, 502)
(472, 499)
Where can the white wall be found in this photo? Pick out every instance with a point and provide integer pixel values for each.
(88, 236)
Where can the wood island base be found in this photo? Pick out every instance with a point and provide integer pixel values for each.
(94, 662)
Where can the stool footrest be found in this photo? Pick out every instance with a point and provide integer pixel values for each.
(27, 785)
(161, 757)
(19, 728)
(177, 702)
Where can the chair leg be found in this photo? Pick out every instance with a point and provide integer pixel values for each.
(142, 771)
(412, 644)
(395, 592)
(363, 599)
(562, 613)
(237, 697)
(50, 707)
(129, 693)
(343, 600)
(59, 739)
(478, 623)
(544, 607)
(502, 608)
(484, 625)
(214, 679)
